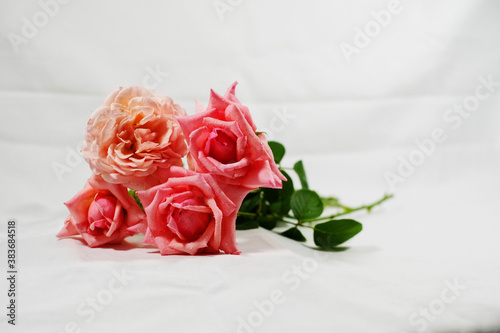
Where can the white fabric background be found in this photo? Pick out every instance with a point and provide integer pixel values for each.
(349, 121)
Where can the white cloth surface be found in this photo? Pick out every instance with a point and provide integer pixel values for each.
(350, 123)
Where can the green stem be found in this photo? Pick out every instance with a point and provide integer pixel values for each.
(300, 223)
(270, 216)
(296, 224)
(261, 200)
(247, 214)
(348, 210)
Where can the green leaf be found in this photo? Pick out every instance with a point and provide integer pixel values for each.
(136, 198)
(306, 204)
(278, 151)
(330, 202)
(279, 199)
(246, 224)
(299, 169)
(335, 232)
(295, 234)
(250, 203)
(281, 208)
(267, 222)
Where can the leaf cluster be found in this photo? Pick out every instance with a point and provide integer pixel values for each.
(299, 208)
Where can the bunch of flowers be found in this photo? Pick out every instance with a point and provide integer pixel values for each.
(135, 144)
(136, 141)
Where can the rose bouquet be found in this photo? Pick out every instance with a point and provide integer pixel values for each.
(135, 144)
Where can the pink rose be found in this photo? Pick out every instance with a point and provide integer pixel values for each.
(223, 141)
(103, 213)
(190, 214)
(133, 138)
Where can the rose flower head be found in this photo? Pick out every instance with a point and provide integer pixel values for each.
(103, 213)
(133, 138)
(189, 214)
(223, 142)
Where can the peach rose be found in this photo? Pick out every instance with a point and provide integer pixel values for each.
(223, 142)
(133, 138)
(189, 214)
(103, 213)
